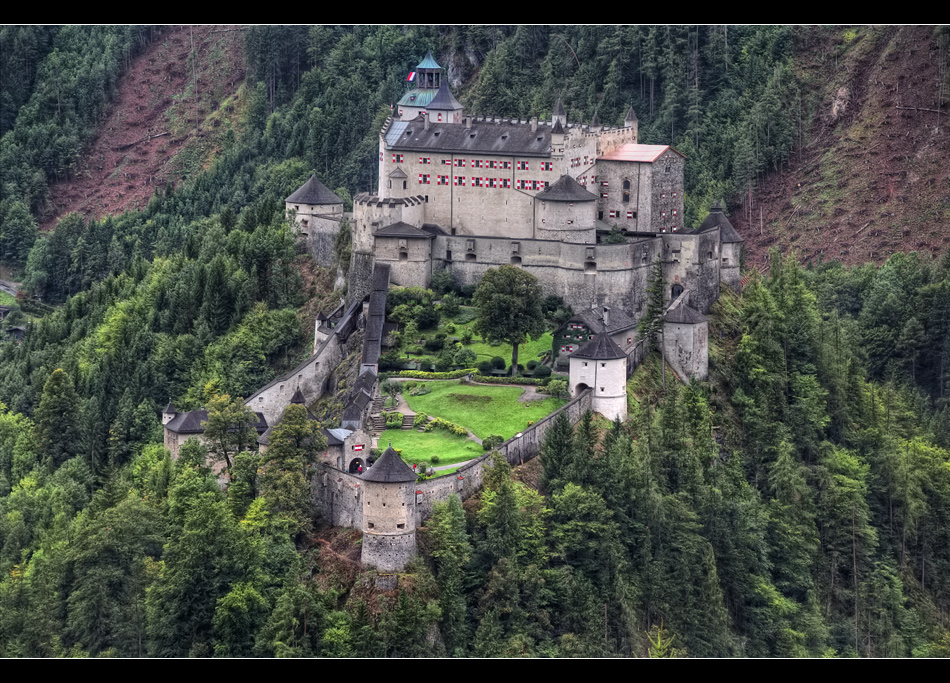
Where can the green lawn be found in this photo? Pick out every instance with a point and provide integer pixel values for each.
(483, 409)
(419, 447)
(530, 350)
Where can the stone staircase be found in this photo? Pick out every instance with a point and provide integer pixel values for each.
(407, 421)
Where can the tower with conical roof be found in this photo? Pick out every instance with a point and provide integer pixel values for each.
(429, 92)
(317, 214)
(389, 513)
(601, 366)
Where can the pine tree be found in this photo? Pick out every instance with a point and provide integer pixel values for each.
(57, 420)
(651, 324)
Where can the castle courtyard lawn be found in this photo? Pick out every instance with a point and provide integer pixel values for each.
(484, 409)
(419, 447)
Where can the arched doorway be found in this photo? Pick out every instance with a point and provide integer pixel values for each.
(676, 291)
(357, 466)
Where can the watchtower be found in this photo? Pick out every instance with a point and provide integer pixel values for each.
(389, 513)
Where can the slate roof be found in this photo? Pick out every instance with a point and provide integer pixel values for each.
(636, 152)
(483, 137)
(190, 422)
(559, 108)
(313, 192)
(398, 173)
(565, 189)
(601, 347)
(631, 115)
(594, 320)
(298, 398)
(679, 312)
(444, 99)
(717, 218)
(170, 408)
(390, 469)
(402, 229)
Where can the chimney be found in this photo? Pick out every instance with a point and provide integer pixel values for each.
(425, 120)
(606, 317)
(534, 124)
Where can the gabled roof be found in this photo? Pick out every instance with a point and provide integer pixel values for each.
(313, 192)
(444, 99)
(390, 469)
(559, 108)
(398, 173)
(484, 137)
(601, 347)
(717, 219)
(402, 229)
(636, 152)
(565, 189)
(593, 319)
(191, 422)
(298, 398)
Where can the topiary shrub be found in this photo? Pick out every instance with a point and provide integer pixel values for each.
(484, 367)
(498, 363)
(532, 364)
(542, 371)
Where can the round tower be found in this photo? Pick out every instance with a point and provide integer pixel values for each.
(389, 513)
(601, 366)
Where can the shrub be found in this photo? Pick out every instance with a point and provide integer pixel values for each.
(450, 305)
(467, 337)
(498, 363)
(542, 371)
(420, 420)
(557, 388)
(492, 442)
(435, 460)
(435, 344)
(484, 367)
(532, 364)
(418, 374)
(393, 420)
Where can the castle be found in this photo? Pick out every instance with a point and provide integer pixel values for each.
(585, 208)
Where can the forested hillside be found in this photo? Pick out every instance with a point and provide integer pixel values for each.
(796, 505)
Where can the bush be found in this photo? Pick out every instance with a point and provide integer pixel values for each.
(557, 388)
(393, 420)
(532, 364)
(466, 337)
(418, 374)
(492, 442)
(420, 420)
(484, 367)
(442, 282)
(435, 460)
(498, 363)
(542, 371)
(435, 344)
(421, 390)
(450, 305)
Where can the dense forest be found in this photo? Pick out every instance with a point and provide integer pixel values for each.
(798, 504)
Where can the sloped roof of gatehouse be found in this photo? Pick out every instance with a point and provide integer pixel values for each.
(313, 192)
(679, 312)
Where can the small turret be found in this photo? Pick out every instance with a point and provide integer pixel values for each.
(389, 513)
